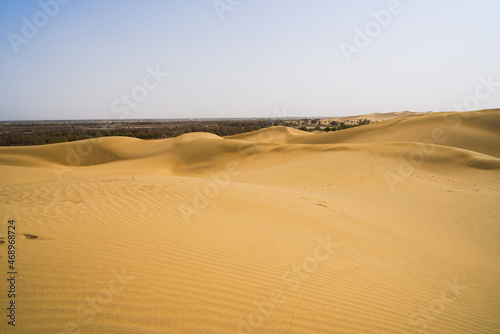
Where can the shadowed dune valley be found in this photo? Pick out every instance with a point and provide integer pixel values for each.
(390, 227)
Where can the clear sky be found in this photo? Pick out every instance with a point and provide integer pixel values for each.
(93, 59)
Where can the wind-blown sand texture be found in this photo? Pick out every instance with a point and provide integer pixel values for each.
(391, 227)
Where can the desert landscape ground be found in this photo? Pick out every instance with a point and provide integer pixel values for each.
(391, 227)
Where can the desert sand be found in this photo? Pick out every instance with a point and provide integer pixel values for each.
(391, 227)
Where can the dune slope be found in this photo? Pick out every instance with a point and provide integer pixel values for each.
(386, 228)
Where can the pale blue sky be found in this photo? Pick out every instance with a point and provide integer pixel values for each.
(266, 58)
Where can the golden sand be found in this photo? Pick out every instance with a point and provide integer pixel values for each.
(391, 227)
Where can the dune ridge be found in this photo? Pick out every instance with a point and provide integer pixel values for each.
(390, 227)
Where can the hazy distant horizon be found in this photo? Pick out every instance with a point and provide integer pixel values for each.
(70, 60)
(199, 118)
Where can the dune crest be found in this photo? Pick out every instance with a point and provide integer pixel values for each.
(275, 134)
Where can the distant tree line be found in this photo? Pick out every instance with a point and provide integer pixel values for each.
(39, 133)
(334, 125)
(50, 132)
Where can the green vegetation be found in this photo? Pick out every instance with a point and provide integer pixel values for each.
(333, 126)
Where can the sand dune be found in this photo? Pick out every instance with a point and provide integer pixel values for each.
(275, 134)
(472, 130)
(386, 228)
(374, 117)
